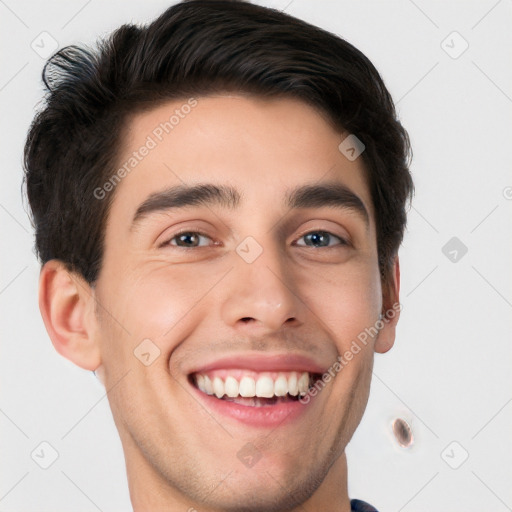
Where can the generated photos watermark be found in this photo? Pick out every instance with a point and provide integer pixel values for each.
(348, 355)
(152, 141)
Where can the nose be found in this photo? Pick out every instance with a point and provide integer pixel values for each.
(261, 296)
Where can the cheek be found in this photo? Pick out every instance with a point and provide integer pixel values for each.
(160, 303)
(347, 299)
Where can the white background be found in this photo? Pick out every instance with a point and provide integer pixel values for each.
(449, 373)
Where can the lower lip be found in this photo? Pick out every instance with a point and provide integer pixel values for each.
(264, 416)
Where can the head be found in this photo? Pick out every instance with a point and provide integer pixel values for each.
(201, 219)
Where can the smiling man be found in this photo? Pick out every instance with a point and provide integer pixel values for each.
(219, 199)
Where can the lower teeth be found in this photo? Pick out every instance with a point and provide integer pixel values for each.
(260, 402)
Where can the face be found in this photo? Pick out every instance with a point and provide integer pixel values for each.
(240, 260)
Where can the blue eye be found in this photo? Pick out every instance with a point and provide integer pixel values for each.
(315, 239)
(320, 239)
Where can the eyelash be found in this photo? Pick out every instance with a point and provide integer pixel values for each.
(342, 241)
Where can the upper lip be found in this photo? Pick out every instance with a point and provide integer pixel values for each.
(263, 363)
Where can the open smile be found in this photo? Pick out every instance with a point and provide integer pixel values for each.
(256, 395)
(256, 389)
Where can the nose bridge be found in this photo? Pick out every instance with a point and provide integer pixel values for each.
(260, 288)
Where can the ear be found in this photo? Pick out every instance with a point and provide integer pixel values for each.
(66, 302)
(390, 310)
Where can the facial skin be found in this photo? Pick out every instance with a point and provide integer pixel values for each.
(200, 304)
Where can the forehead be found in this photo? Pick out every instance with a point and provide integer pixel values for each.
(260, 147)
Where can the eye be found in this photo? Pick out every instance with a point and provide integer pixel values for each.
(188, 239)
(317, 239)
(321, 239)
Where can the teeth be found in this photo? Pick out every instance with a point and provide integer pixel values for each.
(263, 386)
(200, 382)
(293, 386)
(208, 388)
(231, 387)
(247, 387)
(303, 384)
(281, 386)
(218, 387)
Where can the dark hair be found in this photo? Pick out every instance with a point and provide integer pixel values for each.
(195, 48)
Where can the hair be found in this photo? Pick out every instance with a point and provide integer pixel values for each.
(196, 48)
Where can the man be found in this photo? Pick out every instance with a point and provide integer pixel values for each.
(219, 199)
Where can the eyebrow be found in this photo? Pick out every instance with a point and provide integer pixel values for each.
(330, 194)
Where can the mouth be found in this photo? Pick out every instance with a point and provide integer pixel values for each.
(259, 391)
(250, 388)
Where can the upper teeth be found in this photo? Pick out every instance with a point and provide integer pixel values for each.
(265, 385)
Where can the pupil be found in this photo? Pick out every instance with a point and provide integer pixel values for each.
(185, 237)
(317, 237)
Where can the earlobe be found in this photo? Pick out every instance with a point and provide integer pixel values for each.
(390, 311)
(67, 306)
